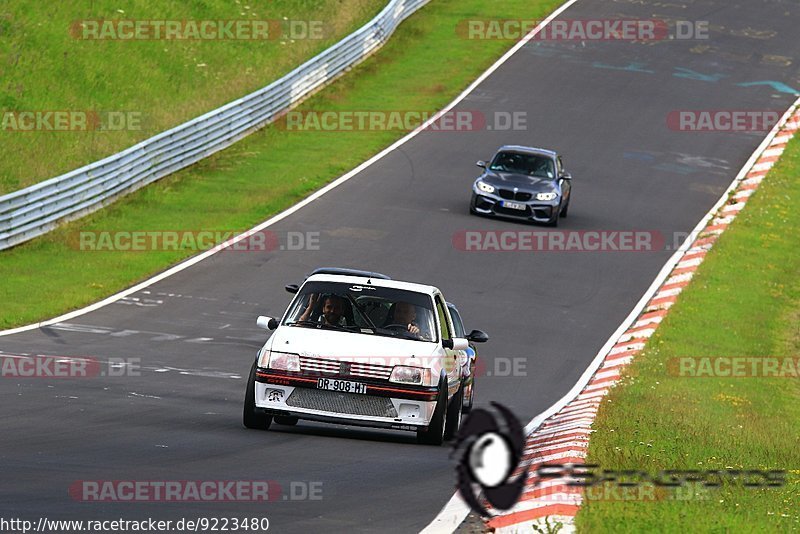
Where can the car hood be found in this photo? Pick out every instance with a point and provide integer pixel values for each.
(351, 347)
(523, 182)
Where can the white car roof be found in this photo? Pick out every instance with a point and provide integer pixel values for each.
(377, 282)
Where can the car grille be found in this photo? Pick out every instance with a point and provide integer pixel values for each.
(345, 403)
(318, 365)
(508, 194)
(356, 369)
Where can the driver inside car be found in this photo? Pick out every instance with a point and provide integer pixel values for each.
(544, 167)
(405, 314)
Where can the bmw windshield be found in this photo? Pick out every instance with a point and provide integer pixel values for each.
(529, 164)
(363, 309)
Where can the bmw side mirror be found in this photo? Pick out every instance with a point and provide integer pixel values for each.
(566, 176)
(478, 336)
(481, 163)
(292, 288)
(267, 323)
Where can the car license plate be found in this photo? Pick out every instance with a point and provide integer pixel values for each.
(513, 205)
(344, 386)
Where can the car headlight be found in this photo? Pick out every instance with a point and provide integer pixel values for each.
(410, 375)
(280, 360)
(486, 188)
(546, 196)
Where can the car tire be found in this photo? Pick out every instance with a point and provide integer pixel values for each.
(454, 411)
(468, 402)
(565, 209)
(251, 416)
(287, 420)
(434, 434)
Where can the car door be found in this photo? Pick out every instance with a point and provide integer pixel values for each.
(451, 358)
(465, 356)
(566, 185)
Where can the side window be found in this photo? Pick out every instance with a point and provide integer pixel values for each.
(444, 328)
(458, 325)
(560, 166)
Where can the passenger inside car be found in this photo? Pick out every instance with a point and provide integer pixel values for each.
(328, 309)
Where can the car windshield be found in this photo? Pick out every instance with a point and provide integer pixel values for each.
(530, 164)
(363, 309)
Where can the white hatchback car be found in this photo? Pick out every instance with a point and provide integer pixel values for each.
(357, 348)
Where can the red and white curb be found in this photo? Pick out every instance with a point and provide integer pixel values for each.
(564, 436)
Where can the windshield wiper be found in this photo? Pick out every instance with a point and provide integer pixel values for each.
(398, 333)
(321, 325)
(303, 323)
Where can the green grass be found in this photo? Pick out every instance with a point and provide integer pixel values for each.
(744, 301)
(163, 82)
(258, 176)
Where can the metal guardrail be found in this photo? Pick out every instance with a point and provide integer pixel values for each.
(37, 209)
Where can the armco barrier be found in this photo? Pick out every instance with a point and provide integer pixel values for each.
(35, 210)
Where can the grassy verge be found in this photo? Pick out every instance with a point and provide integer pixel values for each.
(160, 83)
(744, 301)
(259, 176)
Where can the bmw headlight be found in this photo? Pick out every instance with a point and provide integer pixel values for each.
(410, 375)
(280, 360)
(486, 188)
(546, 196)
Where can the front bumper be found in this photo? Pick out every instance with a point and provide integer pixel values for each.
(385, 404)
(535, 210)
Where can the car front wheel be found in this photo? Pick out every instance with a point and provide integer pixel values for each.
(434, 435)
(252, 417)
(454, 412)
(470, 398)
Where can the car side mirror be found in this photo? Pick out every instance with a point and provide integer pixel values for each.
(292, 288)
(481, 163)
(457, 343)
(478, 336)
(267, 323)
(566, 176)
